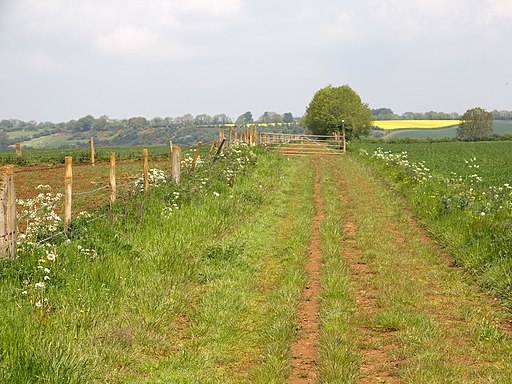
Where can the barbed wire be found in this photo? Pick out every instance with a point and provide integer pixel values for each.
(21, 170)
(50, 237)
(91, 191)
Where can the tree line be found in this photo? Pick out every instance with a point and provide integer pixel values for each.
(185, 130)
(388, 114)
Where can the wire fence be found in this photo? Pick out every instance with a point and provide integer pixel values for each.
(69, 189)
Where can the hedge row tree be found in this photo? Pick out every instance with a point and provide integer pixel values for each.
(331, 105)
(475, 124)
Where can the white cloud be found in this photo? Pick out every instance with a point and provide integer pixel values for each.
(41, 63)
(224, 8)
(129, 41)
(501, 9)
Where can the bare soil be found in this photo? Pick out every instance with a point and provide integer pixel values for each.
(304, 348)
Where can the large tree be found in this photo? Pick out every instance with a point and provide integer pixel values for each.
(332, 105)
(475, 124)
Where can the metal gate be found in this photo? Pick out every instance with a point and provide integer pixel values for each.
(296, 144)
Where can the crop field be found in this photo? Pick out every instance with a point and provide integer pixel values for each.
(80, 155)
(493, 159)
(423, 124)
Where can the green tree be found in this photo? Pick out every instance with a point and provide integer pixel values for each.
(85, 123)
(331, 105)
(288, 117)
(246, 118)
(475, 124)
(270, 117)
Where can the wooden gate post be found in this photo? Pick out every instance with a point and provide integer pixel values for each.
(145, 169)
(113, 187)
(68, 189)
(344, 138)
(176, 164)
(7, 213)
(18, 150)
(92, 151)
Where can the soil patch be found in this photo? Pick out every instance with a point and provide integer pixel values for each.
(304, 348)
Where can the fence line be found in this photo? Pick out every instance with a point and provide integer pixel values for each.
(8, 226)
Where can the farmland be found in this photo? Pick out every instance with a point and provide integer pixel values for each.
(208, 281)
(414, 129)
(423, 124)
(493, 158)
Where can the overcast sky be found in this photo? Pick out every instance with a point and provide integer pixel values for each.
(64, 59)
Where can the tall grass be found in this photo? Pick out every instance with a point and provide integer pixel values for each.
(466, 202)
(97, 311)
(196, 283)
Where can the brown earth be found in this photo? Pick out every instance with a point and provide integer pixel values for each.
(304, 348)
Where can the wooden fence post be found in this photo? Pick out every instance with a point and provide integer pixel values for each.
(220, 149)
(230, 136)
(214, 143)
(145, 169)
(113, 187)
(18, 150)
(170, 147)
(92, 151)
(7, 213)
(198, 148)
(68, 189)
(235, 139)
(176, 164)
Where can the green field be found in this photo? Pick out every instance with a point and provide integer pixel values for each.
(499, 126)
(494, 158)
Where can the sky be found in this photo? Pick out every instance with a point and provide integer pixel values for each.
(64, 59)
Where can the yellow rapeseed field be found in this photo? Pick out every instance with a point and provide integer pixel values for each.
(401, 124)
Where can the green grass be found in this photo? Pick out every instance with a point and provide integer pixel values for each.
(422, 320)
(338, 357)
(54, 140)
(471, 218)
(21, 134)
(206, 294)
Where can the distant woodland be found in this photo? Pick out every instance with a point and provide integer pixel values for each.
(184, 130)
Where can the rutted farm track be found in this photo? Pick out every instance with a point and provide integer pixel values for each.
(401, 313)
(406, 314)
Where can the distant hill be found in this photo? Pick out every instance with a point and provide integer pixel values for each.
(180, 134)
